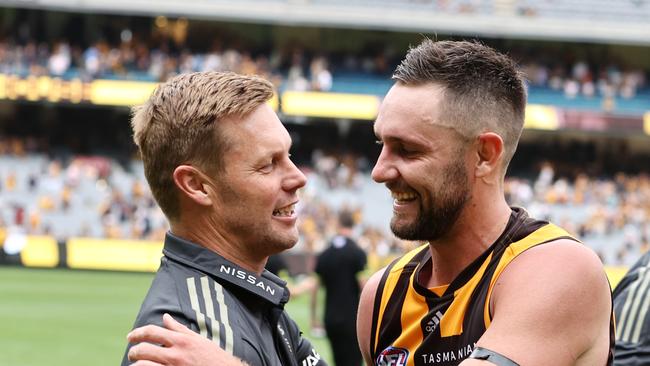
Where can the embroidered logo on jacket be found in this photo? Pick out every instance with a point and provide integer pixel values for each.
(247, 277)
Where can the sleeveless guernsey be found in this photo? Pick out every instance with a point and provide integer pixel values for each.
(413, 326)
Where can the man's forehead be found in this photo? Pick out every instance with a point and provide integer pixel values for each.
(260, 129)
(420, 133)
(422, 107)
(407, 101)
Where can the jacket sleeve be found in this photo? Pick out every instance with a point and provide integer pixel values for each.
(305, 353)
(632, 316)
(155, 318)
(162, 298)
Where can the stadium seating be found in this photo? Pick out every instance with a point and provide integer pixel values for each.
(110, 207)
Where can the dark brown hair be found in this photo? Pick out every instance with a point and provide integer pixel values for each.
(483, 89)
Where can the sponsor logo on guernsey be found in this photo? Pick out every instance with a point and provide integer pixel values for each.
(432, 324)
(448, 356)
(247, 277)
(392, 356)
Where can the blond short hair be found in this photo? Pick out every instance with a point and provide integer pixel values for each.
(179, 125)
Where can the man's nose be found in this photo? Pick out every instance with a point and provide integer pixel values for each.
(296, 179)
(384, 169)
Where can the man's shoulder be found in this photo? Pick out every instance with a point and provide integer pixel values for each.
(164, 293)
(640, 270)
(373, 282)
(561, 267)
(558, 290)
(191, 296)
(170, 276)
(630, 290)
(557, 253)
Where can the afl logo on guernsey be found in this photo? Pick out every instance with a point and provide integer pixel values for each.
(392, 356)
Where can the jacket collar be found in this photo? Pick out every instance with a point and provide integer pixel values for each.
(267, 286)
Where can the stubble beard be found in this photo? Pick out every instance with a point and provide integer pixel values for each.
(261, 238)
(266, 240)
(275, 242)
(446, 205)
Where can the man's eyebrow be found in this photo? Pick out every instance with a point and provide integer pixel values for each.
(401, 140)
(280, 151)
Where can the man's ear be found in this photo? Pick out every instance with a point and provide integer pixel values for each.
(490, 152)
(192, 184)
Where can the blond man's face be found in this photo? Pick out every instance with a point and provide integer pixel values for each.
(257, 187)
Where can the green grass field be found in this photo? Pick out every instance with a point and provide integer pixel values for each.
(65, 317)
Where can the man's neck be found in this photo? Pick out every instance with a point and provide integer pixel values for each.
(205, 234)
(473, 233)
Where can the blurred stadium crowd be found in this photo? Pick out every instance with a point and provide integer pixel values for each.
(95, 196)
(65, 177)
(165, 51)
(126, 51)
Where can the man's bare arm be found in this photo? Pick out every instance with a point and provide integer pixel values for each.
(551, 306)
(365, 314)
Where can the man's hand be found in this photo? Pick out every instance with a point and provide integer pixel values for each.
(175, 345)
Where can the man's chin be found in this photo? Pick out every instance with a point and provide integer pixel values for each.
(281, 244)
(405, 231)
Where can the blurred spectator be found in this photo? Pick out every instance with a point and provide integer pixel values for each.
(321, 78)
(276, 263)
(338, 269)
(60, 60)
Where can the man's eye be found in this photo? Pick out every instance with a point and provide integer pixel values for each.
(379, 142)
(404, 151)
(268, 167)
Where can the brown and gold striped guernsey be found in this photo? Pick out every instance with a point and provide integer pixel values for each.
(412, 326)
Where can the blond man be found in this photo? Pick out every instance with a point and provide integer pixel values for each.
(216, 157)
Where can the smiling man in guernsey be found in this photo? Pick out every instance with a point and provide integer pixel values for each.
(491, 285)
(216, 157)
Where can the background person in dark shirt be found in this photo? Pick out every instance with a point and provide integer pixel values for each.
(276, 264)
(338, 267)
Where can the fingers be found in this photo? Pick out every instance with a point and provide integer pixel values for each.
(147, 352)
(146, 363)
(170, 323)
(151, 334)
